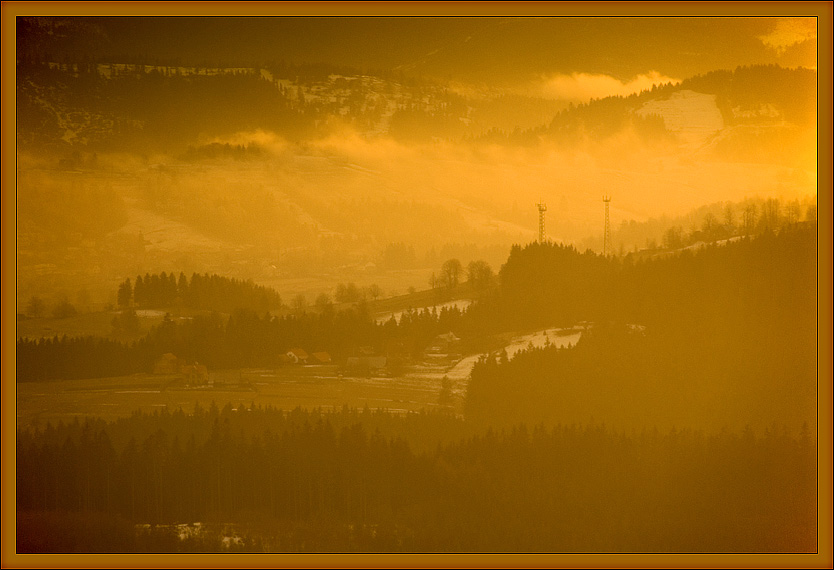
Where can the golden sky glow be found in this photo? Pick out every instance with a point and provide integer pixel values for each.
(470, 117)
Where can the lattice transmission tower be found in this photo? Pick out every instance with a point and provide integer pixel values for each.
(606, 243)
(542, 209)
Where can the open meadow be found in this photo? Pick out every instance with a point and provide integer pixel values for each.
(312, 387)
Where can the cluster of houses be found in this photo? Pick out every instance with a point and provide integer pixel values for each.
(300, 356)
(194, 374)
(443, 344)
(366, 363)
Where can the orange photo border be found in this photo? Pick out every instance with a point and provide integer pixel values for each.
(821, 10)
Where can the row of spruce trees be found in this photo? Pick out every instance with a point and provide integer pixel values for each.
(201, 292)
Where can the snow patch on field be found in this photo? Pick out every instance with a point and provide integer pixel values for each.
(150, 313)
(460, 304)
(560, 338)
(459, 372)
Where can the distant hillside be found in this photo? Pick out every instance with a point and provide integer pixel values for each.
(752, 114)
(757, 113)
(139, 107)
(472, 49)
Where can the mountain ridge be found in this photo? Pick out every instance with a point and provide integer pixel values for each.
(72, 104)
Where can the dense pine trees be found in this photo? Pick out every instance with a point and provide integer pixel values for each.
(201, 292)
(348, 481)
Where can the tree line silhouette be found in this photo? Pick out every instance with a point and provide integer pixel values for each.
(347, 481)
(732, 300)
(244, 339)
(768, 280)
(710, 223)
(201, 292)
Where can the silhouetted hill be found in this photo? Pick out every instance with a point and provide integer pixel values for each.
(725, 336)
(472, 49)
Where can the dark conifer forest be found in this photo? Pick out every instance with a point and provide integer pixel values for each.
(354, 481)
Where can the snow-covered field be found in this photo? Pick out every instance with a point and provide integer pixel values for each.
(556, 337)
(458, 372)
(150, 313)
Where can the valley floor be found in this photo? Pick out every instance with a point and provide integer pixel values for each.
(314, 386)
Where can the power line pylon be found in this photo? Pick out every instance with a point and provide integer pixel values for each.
(542, 209)
(606, 244)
